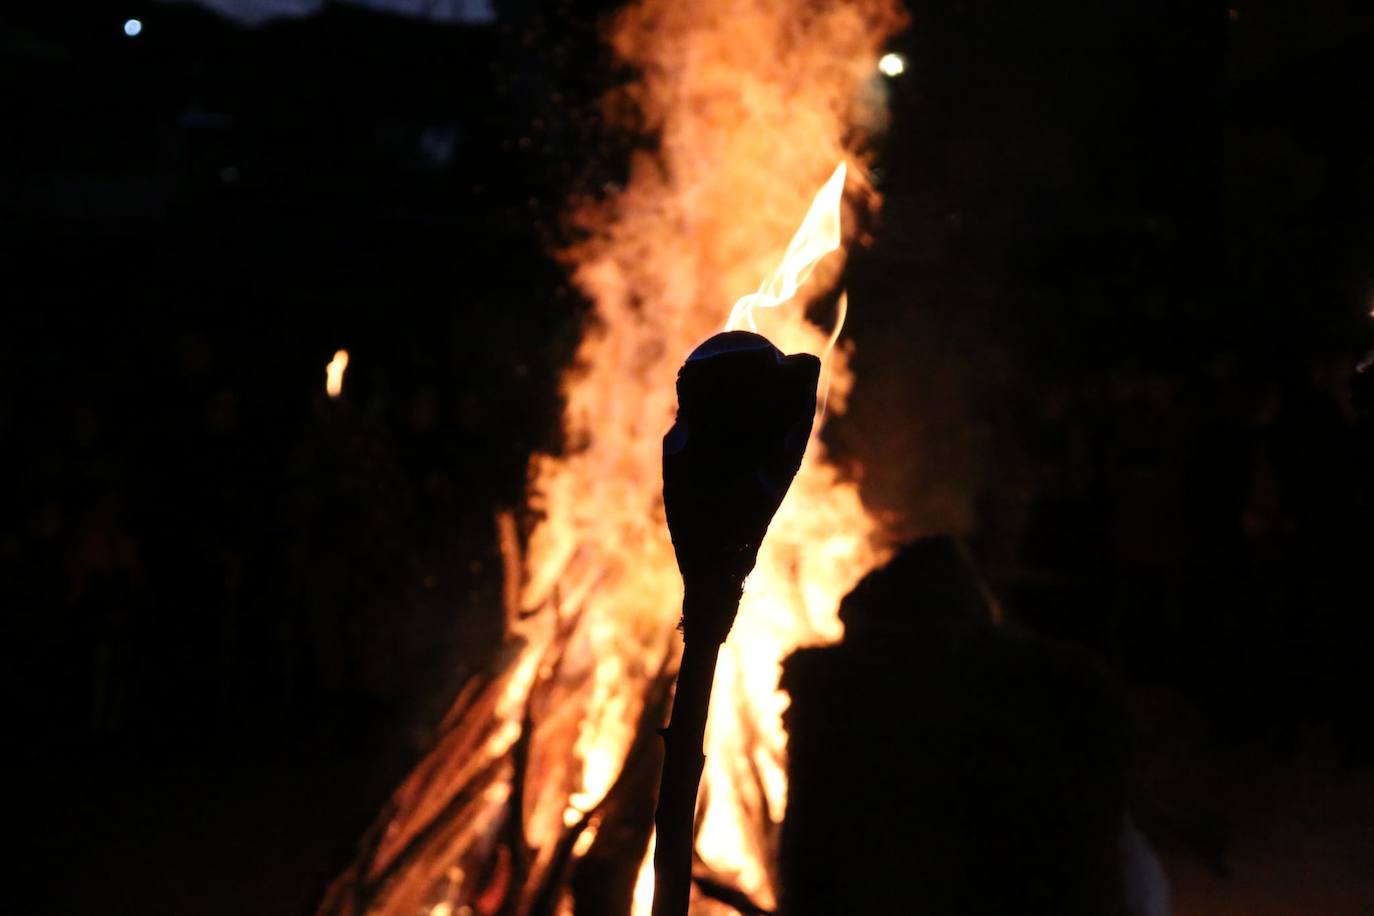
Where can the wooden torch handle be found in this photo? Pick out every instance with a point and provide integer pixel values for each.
(675, 816)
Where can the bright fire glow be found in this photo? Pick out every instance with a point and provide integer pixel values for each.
(334, 373)
(891, 65)
(818, 235)
(752, 103)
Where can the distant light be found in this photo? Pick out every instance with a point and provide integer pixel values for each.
(132, 27)
(892, 65)
(334, 373)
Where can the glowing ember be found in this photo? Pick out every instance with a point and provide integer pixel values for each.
(334, 373)
(753, 103)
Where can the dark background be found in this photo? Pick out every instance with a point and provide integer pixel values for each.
(1104, 330)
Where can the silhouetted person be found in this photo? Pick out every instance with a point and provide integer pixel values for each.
(943, 766)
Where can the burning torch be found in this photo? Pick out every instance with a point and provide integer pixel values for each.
(745, 413)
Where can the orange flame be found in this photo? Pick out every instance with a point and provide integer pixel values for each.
(740, 139)
(818, 235)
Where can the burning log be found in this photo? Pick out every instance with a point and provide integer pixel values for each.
(744, 418)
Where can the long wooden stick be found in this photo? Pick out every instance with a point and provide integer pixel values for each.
(744, 417)
(675, 817)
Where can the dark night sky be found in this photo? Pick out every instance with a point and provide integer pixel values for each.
(1092, 210)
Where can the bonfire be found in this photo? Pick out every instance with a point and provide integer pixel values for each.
(537, 796)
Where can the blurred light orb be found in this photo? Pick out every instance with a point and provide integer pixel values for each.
(132, 27)
(334, 373)
(892, 64)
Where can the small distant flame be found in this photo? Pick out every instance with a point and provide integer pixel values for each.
(334, 373)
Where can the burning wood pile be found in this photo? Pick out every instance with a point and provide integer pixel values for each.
(538, 794)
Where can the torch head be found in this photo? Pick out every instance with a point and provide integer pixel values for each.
(745, 413)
